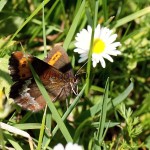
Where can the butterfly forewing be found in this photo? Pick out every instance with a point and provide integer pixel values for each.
(59, 59)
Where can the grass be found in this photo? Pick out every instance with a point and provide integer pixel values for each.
(112, 109)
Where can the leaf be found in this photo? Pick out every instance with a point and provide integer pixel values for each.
(2, 4)
(5, 82)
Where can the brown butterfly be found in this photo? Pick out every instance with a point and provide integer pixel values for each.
(55, 73)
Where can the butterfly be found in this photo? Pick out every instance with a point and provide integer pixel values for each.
(55, 72)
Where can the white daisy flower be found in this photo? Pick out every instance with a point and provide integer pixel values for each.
(103, 45)
(69, 146)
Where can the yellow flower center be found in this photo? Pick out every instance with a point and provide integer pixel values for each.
(98, 46)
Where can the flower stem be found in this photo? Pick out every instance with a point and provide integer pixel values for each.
(90, 51)
(88, 70)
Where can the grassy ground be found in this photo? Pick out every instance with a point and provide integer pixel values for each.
(112, 110)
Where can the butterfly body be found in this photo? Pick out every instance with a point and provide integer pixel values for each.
(55, 72)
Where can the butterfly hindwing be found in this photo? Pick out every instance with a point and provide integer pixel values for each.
(21, 74)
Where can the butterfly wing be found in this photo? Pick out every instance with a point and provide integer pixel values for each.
(59, 59)
(25, 91)
(21, 74)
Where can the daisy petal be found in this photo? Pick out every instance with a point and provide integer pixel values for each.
(95, 58)
(89, 29)
(94, 63)
(82, 45)
(97, 31)
(108, 57)
(77, 147)
(114, 52)
(71, 146)
(108, 34)
(116, 44)
(82, 59)
(84, 55)
(59, 147)
(102, 62)
(80, 51)
(112, 38)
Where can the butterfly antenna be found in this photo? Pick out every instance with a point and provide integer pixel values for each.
(78, 72)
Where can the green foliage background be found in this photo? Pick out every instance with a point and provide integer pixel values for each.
(113, 114)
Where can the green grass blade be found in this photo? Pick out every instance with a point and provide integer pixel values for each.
(46, 18)
(105, 9)
(2, 4)
(63, 11)
(27, 126)
(66, 114)
(52, 108)
(2, 144)
(107, 124)
(13, 141)
(42, 130)
(95, 109)
(121, 97)
(103, 113)
(47, 135)
(73, 26)
(132, 17)
(81, 127)
(44, 33)
(27, 20)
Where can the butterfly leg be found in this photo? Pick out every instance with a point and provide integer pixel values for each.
(63, 88)
(67, 101)
(75, 92)
(58, 95)
(67, 104)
